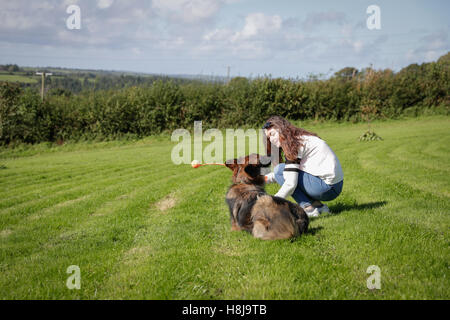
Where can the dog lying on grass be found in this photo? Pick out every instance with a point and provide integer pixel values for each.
(251, 209)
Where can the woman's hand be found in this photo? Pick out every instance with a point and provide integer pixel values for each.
(270, 178)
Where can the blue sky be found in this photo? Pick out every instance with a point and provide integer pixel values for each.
(280, 38)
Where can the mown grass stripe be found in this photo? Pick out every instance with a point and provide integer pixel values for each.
(426, 181)
(69, 180)
(11, 201)
(63, 173)
(98, 171)
(114, 190)
(64, 195)
(90, 225)
(158, 226)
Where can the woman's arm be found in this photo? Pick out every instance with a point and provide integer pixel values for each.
(290, 175)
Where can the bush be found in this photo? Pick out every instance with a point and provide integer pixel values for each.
(165, 105)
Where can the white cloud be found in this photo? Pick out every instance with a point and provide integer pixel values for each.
(136, 51)
(18, 22)
(316, 19)
(187, 11)
(357, 46)
(430, 47)
(258, 23)
(104, 4)
(432, 55)
(202, 31)
(252, 40)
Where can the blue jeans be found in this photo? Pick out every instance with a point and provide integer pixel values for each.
(309, 187)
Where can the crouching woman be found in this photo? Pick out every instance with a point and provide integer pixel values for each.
(312, 172)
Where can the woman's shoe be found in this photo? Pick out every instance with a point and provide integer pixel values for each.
(323, 209)
(312, 212)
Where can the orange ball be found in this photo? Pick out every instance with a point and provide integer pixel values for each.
(195, 164)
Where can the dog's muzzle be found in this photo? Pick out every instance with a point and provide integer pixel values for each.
(265, 161)
(265, 165)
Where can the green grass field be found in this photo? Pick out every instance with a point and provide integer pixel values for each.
(18, 78)
(140, 227)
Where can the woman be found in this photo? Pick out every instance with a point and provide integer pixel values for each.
(312, 172)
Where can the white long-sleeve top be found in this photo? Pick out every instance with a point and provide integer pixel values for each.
(317, 159)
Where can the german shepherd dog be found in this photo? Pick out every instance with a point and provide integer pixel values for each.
(251, 209)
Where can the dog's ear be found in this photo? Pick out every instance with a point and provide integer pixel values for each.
(253, 170)
(231, 164)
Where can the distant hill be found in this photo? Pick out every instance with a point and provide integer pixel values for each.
(77, 80)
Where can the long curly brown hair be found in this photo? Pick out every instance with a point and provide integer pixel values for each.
(290, 136)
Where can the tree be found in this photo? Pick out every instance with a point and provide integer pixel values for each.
(13, 68)
(346, 73)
